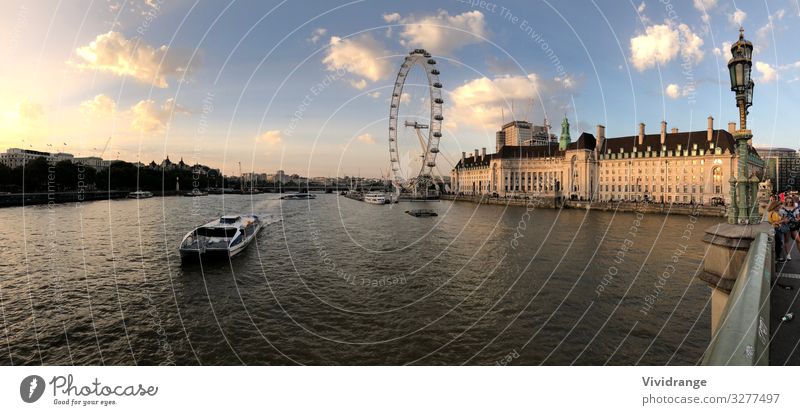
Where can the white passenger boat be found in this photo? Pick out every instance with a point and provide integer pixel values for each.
(140, 194)
(375, 198)
(226, 236)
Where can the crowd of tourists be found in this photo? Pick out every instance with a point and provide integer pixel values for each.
(784, 215)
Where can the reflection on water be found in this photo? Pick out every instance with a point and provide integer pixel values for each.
(335, 281)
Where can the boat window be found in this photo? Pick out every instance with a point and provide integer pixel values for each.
(217, 232)
(228, 220)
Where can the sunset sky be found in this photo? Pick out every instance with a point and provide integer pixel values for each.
(220, 82)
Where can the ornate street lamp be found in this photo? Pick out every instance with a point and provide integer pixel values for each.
(743, 208)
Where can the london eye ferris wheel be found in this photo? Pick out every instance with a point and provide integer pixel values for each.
(419, 180)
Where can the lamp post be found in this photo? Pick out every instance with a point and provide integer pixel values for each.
(743, 208)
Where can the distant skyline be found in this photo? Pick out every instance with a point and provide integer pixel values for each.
(304, 86)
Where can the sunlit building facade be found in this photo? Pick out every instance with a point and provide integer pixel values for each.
(668, 167)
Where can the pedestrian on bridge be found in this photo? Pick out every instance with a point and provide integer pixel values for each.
(791, 216)
(777, 222)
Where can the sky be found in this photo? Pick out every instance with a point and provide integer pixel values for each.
(304, 86)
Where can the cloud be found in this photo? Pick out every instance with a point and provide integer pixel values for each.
(361, 84)
(392, 17)
(794, 69)
(270, 138)
(112, 52)
(441, 33)
(566, 81)
(764, 31)
(361, 56)
(317, 34)
(480, 102)
(663, 42)
(737, 17)
(673, 91)
(366, 138)
(768, 73)
(723, 50)
(705, 5)
(149, 117)
(101, 105)
(376, 94)
(29, 111)
(641, 8)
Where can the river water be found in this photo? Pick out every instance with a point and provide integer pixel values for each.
(336, 281)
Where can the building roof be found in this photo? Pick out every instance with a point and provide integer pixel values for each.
(774, 151)
(586, 141)
(518, 124)
(687, 140)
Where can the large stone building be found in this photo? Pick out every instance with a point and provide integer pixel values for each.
(669, 167)
(18, 157)
(782, 167)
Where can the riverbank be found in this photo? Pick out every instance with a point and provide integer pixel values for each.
(550, 202)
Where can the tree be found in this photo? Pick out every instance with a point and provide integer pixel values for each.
(34, 175)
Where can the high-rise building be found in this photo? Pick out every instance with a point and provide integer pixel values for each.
(517, 133)
(524, 133)
(782, 167)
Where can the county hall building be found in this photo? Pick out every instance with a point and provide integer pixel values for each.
(668, 167)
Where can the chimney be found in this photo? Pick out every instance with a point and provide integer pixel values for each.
(463, 156)
(710, 128)
(731, 127)
(663, 132)
(483, 153)
(601, 137)
(641, 133)
(674, 130)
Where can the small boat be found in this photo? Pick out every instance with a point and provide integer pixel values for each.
(195, 192)
(375, 198)
(226, 237)
(422, 213)
(139, 194)
(299, 196)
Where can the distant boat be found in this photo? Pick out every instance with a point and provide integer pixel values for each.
(375, 198)
(226, 236)
(140, 194)
(299, 196)
(421, 213)
(195, 192)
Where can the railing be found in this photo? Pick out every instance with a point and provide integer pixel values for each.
(742, 338)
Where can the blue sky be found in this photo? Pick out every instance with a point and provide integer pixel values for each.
(221, 82)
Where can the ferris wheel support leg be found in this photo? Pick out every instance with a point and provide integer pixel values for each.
(422, 143)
